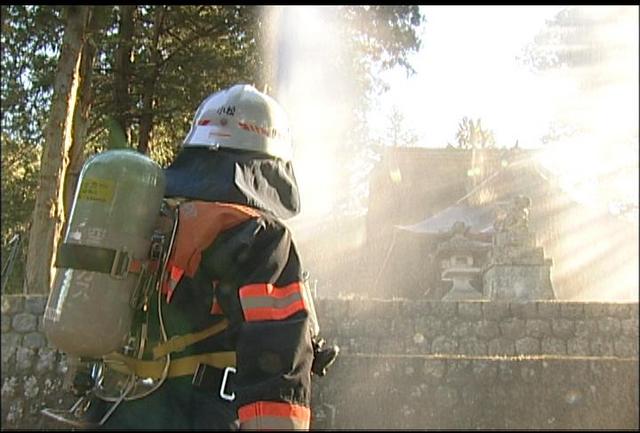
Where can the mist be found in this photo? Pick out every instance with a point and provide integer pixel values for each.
(583, 119)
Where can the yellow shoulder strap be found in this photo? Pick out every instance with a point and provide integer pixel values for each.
(180, 342)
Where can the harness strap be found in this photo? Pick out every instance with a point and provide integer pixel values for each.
(180, 342)
(99, 259)
(178, 367)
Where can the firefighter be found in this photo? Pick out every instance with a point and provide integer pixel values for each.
(240, 326)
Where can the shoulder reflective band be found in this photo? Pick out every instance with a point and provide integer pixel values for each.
(269, 415)
(96, 259)
(269, 302)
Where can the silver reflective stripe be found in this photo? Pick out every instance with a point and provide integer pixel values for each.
(268, 301)
(275, 423)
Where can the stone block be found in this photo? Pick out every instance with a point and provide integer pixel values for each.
(517, 283)
(524, 310)
(609, 326)
(444, 345)
(563, 328)
(391, 345)
(586, 328)
(415, 309)
(24, 358)
(527, 346)
(430, 327)
(578, 346)
(487, 329)
(538, 328)
(35, 305)
(445, 309)
(417, 344)
(12, 304)
(625, 347)
(495, 310)
(365, 345)
(10, 343)
(623, 310)
(501, 346)
(548, 309)
(506, 371)
(376, 328)
(485, 371)
(595, 310)
(435, 368)
(336, 308)
(46, 360)
(553, 346)
(468, 310)
(24, 322)
(512, 328)
(461, 329)
(629, 327)
(402, 326)
(472, 346)
(602, 346)
(572, 310)
(530, 372)
(459, 372)
(34, 340)
(6, 323)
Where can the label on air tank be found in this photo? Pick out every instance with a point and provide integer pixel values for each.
(97, 189)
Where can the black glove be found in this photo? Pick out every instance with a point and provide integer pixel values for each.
(323, 357)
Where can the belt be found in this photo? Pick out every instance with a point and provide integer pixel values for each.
(177, 367)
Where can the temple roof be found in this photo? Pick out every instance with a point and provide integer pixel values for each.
(478, 219)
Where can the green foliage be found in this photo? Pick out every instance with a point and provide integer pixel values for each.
(199, 49)
(31, 39)
(20, 168)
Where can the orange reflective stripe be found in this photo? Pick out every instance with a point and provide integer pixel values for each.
(136, 266)
(215, 305)
(269, 302)
(175, 274)
(216, 308)
(270, 415)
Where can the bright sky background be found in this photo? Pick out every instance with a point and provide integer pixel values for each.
(467, 67)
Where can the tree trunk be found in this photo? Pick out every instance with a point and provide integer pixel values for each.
(48, 214)
(122, 71)
(148, 97)
(80, 121)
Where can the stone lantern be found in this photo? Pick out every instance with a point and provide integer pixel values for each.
(461, 260)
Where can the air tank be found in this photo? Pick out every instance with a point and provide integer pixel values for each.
(115, 209)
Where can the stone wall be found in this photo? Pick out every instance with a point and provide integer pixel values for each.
(480, 328)
(479, 365)
(413, 365)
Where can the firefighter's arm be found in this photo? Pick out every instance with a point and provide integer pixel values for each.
(261, 293)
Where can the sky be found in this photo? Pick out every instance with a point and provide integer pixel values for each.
(467, 67)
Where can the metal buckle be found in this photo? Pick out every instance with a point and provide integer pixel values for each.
(223, 394)
(120, 265)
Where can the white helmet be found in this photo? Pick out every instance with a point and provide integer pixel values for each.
(243, 118)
